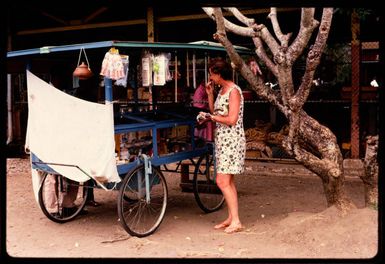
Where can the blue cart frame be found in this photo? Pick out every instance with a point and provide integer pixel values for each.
(142, 198)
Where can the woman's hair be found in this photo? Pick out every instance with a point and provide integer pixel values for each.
(222, 67)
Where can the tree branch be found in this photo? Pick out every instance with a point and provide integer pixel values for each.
(252, 31)
(255, 81)
(261, 53)
(308, 24)
(242, 31)
(242, 18)
(313, 163)
(221, 29)
(263, 91)
(313, 60)
(284, 39)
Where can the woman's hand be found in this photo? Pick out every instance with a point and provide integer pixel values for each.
(203, 117)
(210, 88)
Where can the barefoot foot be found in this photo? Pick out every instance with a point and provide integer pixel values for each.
(234, 228)
(224, 224)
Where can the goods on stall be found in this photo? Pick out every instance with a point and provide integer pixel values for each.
(147, 69)
(261, 142)
(256, 146)
(82, 70)
(159, 68)
(123, 81)
(112, 65)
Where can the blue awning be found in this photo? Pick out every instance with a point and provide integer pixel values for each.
(199, 45)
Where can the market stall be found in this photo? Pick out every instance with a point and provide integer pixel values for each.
(139, 121)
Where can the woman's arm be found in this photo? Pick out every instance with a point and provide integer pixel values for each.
(210, 96)
(234, 104)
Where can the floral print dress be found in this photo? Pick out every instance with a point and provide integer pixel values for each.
(230, 141)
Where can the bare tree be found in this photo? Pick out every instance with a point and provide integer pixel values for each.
(312, 144)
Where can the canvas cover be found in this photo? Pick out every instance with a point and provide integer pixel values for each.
(67, 130)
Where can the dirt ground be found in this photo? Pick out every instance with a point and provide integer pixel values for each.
(285, 215)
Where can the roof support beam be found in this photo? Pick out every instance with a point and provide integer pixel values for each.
(141, 21)
(95, 14)
(55, 18)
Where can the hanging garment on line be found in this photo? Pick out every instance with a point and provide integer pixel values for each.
(123, 81)
(112, 66)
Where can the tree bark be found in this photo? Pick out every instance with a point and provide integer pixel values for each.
(318, 151)
(370, 178)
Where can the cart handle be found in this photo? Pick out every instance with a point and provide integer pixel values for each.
(44, 166)
(50, 170)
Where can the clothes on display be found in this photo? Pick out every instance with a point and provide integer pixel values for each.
(112, 65)
(123, 81)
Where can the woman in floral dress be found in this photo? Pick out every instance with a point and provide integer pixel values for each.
(230, 142)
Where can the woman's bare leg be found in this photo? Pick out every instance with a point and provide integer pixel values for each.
(226, 183)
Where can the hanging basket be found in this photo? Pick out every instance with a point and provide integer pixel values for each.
(83, 71)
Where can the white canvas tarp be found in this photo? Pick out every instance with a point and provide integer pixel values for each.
(67, 130)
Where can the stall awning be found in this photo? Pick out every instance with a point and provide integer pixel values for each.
(199, 45)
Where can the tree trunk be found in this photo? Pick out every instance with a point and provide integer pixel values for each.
(370, 177)
(318, 151)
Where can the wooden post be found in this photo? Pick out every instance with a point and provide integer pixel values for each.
(185, 174)
(176, 77)
(355, 111)
(150, 24)
(185, 182)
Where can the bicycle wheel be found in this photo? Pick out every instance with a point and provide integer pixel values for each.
(207, 194)
(60, 198)
(140, 216)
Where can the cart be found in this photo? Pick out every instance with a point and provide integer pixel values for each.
(142, 198)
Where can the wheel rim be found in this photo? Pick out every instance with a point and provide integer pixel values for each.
(207, 194)
(51, 197)
(138, 216)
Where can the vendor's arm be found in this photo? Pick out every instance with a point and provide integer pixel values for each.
(234, 104)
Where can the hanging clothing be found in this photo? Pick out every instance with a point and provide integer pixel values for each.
(112, 66)
(123, 81)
